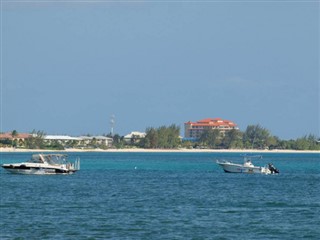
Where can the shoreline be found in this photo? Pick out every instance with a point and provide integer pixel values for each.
(140, 150)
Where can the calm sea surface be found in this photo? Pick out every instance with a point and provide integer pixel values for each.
(163, 196)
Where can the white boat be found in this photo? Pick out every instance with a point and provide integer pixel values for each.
(44, 164)
(247, 167)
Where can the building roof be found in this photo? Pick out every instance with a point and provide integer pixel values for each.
(95, 137)
(67, 138)
(137, 134)
(101, 138)
(8, 135)
(60, 137)
(215, 122)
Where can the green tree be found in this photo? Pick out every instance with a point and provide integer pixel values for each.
(232, 139)
(174, 136)
(151, 138)
(36, 141)
(272, 142)
(162, 137)
(14, 133)
(162, 134)
(118, 141)
(187, 144)
(256, 136)
(56, 145)
(314, 144)
(306, 143)
(210, 138)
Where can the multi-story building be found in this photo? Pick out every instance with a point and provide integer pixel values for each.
(18, 139)
(195, 129)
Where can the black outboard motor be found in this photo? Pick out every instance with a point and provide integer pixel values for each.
(272, 168)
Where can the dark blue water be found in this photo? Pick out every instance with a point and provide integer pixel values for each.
(163, 196)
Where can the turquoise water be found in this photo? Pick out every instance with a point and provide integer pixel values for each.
(163, 196)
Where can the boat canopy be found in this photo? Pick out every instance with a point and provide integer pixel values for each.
(52, 159)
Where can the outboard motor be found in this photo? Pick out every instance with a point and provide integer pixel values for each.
(272, 168)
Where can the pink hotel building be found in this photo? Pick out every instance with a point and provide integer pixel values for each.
(195, 129)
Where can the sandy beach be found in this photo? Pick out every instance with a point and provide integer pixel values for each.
(161, 150)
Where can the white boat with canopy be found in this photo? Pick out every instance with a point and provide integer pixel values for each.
(44, 164)
(247, 167)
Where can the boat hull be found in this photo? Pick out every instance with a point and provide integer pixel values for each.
(36, 170)
(44, 164)
(237, 168)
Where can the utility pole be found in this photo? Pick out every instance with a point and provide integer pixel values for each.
(112, 123)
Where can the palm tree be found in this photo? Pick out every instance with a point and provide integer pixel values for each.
(14, 134)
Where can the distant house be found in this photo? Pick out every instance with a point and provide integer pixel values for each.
(101, 140)
(194, 130)
(19, 138)
(62, 139)
(134, 137)
(79, 141)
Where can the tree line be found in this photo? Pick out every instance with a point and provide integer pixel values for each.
(168, 137)
(254, 137)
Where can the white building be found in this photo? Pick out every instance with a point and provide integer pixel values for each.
(79, 141)
(134, 137)
(62, 139)
(97, 139)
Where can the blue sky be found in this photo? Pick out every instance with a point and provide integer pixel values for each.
(68, 66)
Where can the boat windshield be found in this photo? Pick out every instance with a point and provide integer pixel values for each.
(37, 158)
(53, 159)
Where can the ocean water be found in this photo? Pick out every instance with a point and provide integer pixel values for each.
(163, 196)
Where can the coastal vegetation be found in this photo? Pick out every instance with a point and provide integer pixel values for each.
(36, 140)
(162, 137)
(168, 137)
(254, 137)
